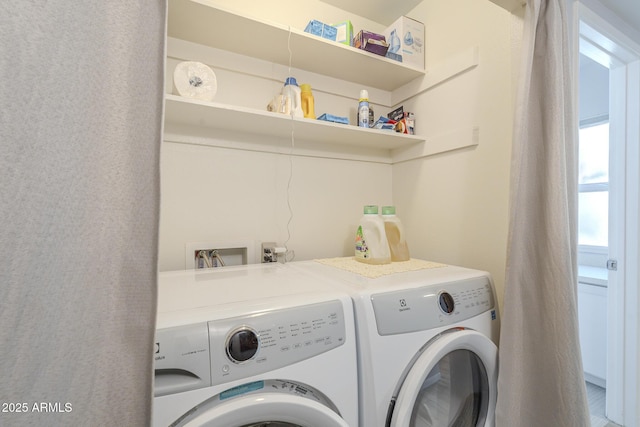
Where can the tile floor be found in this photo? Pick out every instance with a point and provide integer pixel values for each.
(596, 397)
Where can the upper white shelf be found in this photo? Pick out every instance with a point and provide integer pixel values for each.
(510, 5)
(200, 23)
(376, 10)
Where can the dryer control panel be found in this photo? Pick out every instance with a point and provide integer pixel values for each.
(249, 345)
(433, 306)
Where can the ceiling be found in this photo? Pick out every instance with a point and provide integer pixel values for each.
(628, 10)
(386, 12)
(381, 11)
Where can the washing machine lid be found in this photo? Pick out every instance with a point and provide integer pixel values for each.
(452, 382)
(273, 403)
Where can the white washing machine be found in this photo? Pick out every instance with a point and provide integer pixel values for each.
(426, 346)
(258, 345)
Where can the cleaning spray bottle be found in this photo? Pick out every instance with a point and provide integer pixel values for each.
(363, 110)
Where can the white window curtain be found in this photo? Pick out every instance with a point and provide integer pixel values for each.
(81, 88)
(541, 380)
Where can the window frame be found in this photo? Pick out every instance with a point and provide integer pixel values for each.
(592, 255)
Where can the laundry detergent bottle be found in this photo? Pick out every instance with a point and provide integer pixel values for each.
(395, 235)
(292, 93)
(372, 246)
(306, 97)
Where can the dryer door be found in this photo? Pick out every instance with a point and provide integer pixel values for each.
(452, 382)
(272, 403)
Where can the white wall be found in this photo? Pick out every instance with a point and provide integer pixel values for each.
(594, 89)
(216, 194)
(454, 205)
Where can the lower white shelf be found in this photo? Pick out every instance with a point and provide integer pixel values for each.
(217, 116)
(221, 125)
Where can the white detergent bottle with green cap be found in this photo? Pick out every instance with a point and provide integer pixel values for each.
(371, 241)
(395, 235)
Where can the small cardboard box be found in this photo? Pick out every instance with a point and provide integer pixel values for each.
(379, 47)
(397, 114)
(320, 29)
(344, 32)
(371, 42)
(407, 124)
(405, 121)
(406, 38)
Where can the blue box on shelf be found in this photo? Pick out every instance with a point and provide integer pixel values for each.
(321, 29)
(335, 119)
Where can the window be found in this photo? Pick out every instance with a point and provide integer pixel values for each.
(593, 185)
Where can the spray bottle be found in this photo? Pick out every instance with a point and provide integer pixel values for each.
(363, 109)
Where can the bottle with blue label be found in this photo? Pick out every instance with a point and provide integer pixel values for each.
(372, 246)
(363, 109)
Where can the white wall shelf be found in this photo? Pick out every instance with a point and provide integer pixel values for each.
(200, 23)
(218, 125)
(510, 5)
(221, 125)
(219, 122)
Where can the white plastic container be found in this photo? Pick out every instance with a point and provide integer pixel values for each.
(372, 246)
(293, 99)
(395, 235)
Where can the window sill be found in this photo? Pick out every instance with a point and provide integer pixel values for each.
(596, 276)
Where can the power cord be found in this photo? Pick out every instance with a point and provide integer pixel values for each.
(289, 255)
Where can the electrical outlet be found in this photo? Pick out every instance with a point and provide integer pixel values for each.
(269, 252)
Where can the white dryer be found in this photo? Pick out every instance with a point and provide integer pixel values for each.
(258, 345)
(426, 346)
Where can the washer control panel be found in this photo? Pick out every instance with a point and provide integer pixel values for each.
(250, 345)
(433, 306)
(181, 359)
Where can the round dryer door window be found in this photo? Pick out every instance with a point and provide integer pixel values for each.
(272, 403)
(451, 383)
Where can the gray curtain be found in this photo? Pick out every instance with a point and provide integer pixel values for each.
(81, 87)
(541, 382)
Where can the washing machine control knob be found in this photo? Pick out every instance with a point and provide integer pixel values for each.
(242, 344)
(446, 302)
